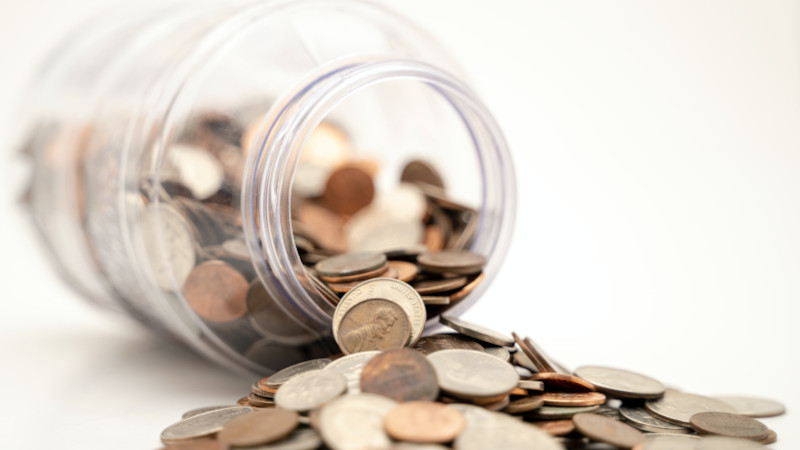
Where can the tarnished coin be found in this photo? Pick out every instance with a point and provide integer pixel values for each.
(476, 331)
(560, 412)
(400, 374)
(202, 424)
(524, 404)
(471, 374)
(423, 422)
(258, 401)
(437, 342)
(300, 439)
(375, 324)
(753, 406)
(561, 382)
(573, 398)
(460, 262)
(384, 288)
(621, 383)
(771, 438)
(726, 443)
(348, 190)
(429, 287)
(668, 441)
(204, 409)
(280, 377)
(355, 421)
(556, 427)
(678, 407)
(437, 300)
(311, 389)
(638, 417)
(216, 292)
(487, 429)
(603, 429)
(351, 366)
(731, 425)
(418, 171)
(406, 271)
(350, 264)
(258, 427)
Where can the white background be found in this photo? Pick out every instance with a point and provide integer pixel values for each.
(657, 147)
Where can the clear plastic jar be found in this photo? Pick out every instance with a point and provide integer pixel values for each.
(121, 104)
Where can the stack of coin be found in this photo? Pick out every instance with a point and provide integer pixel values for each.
(475, 388)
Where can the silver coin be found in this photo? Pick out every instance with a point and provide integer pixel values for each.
(608, 411)
(355, 421)
(388, 289)
(195, 168)
(169, 244)
(476, 331)
(202, 424)
(561, 412)
(347, 264)
(472, 374)
(621, 383)
(486, 429)
(282, 376)
(300, 439)
(498, 352)
(522, 360)
(204, 409)
(678, 407)
(669, 441)
(351, 366)
(311, 389)
(727, 443)
(638, 417)
(531, 385)
(753, 406)
(372, 230)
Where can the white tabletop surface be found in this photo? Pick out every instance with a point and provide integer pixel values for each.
(657, 147)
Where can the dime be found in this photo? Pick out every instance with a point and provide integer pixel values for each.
(753, 406)
(476, 331)
(560, 412)
(603, 429)
(348, 190)
(280, 377)
(731, 425)
(373, 325)
(204, 409)
(351, 366)
(202, 424)
(311, 389)
(418, 171)
(216, 292)
(726, 443)
(678, 407)
(406, 271)
(423, 422)
(487, 429)
(388, 289)
(460, 262)
(355, 421)
(347, 264)
(525, 404)
(436, 342)
(471, 374)
(638, 417)
(562, 382)
(426, 287)
(621, 383)
(400, 374)
(573, 398)
(556, 427)
(258, 427)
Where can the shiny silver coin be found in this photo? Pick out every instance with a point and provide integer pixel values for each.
(351, 366)
(561, 412)
(300, 439)
(170, 245)
(498, 352)
(638, 417)
(282, 376)
(476, 331)
(204, 409)
(621, 383)
(196, 168)
(387, 289)
(472, 374)
(311, 389)
(347, 264)
(202, 424)
(355, 421)
(669, 441)
(678, 407)
(486, 429)
(753, 406)
(727, 443)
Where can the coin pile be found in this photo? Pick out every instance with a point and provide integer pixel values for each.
(474, 388)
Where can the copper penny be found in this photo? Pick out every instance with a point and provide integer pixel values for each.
(560, 382)
(525, 404)
(400, 374)
(460, 262)
(436, 342)
(727, 424)
(536, 356)
(466, 290)
(498, 405)
(573, 398)
(347, 264)
(406, 271)
(438, 286)
(325, 227)
(418, 171)
(434, 238)
(556, 427)
(216, 292)
(374, 325)
(348, 190)
(604, 429)
(258, 428)
(424, 422)
(258, 401)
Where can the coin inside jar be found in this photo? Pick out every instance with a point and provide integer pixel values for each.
(374, 325)
(347, 264)
(423, 422)
(216, 292)
(460, 262)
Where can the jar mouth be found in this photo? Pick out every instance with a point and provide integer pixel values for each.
(266, 204)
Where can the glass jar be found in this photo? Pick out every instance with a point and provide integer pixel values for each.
(169, 146)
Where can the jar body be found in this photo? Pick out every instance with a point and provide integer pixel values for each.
(166, 146)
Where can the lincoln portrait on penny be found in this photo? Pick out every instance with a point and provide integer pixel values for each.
(364, 336)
